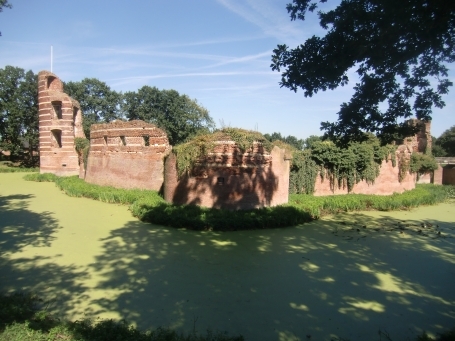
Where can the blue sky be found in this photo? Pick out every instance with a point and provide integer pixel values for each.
(216, 51)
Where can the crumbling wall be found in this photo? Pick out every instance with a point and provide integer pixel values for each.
(230, 179)
(127, 155)
(60, 121)
(387, 183)
(421, 142)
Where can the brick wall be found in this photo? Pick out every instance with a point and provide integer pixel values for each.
(385, 184)
(230, 179)
(448, 175)
(60, 121)
(127, 155)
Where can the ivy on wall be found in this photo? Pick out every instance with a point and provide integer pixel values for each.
(82, 146)
(343, 167)
(189, 153)
(422, 163)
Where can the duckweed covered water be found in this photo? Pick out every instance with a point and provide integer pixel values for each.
(345, 276)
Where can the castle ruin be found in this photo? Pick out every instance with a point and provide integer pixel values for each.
(60, 121)
(137, 154)
(127, 155)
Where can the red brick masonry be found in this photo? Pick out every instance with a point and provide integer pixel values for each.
(127, 155)
(230, 179)
(60, 121)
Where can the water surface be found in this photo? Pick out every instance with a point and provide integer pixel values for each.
(344, 276)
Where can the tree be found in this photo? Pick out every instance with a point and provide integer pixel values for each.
(445, 144)
(291, 140)
(18, 111)
(98, 102)
(311, 140)
(180, 116)
(399, 49)
(4, 4)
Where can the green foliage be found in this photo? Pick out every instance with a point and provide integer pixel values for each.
(82, 146)
(15, 307)
(303, 173)
(398, 50)
(422, 163)
(44, 177)
(344, 167)
(423, 194)
(75, 187)
(8, 167)
(98, 102)
(309, 141)
(190, 152)
(150, 207)
(445, 144)
(181, 117)
(21, 319)
(202, 218)
(81, 143)
(291, 140)
(18, 111)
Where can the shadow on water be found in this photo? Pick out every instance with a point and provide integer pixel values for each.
(324, 279)
(330, 278)
(21, 228)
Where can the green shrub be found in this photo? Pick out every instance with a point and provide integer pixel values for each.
(149, 206)
(82, 146)
(45, 177)
(422, 163)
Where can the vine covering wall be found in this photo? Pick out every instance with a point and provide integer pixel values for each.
(343, 168)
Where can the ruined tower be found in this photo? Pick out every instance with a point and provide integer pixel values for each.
(60, 121)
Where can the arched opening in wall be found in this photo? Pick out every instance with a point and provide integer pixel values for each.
(122, 140)
(105, 140)
(146, 140)
(57, 107)
(50, 79)
(56, 138)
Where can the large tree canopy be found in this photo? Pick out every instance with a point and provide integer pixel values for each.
(180, 116)
(18, 111)
(98, 102)
(444, 145)
(399, 49)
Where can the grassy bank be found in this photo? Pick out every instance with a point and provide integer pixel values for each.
(9, 167)
(21, 319)
(149, 206)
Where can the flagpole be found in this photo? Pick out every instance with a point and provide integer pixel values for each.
(52, 55)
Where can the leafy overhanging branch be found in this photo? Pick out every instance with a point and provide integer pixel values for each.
(399, 50)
